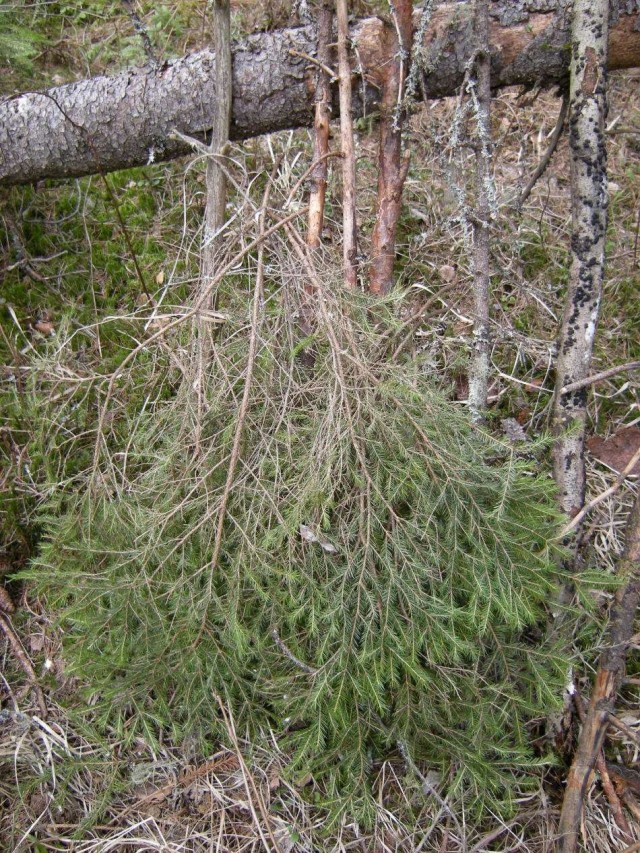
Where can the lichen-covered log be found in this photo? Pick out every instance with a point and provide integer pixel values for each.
(587, 114)
(108, 123)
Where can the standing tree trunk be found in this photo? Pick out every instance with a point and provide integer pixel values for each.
(392, 164)
(481, 96)
(216, 202)
(321, 127)
(349, 226)
(214, 215)
(587, 112)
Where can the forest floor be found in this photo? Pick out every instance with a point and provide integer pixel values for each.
(68, 263)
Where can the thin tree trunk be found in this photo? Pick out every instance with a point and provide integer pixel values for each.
(321, 127)
(215, 208)
(129, 119)
(349, 226)
(611, 671)
(587, 112)
(216, 200)
(392, 164)
(481, 94)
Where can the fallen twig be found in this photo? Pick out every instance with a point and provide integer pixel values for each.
(548, 154)
(598, 377)
(23, 659)
(628, 468)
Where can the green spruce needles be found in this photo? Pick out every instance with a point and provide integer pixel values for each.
(380, 562)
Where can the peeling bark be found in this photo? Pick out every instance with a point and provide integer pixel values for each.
(587, 113)
(129, 119)
(393, 165)
(611, 672)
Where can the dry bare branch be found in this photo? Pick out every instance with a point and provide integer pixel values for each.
(611, 671)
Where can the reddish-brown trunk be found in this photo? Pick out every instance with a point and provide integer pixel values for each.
(392, 164)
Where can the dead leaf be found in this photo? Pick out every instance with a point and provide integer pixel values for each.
(461, 391)
(45, 327)
(616, 452)
(447, 273)
(6, 604)
(36, 642)
(160, 277)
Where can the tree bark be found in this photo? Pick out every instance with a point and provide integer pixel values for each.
(480, 360)
(349, 224)
(215, 210)
(129, 119)
(393, 165)
(322, 119)
(587, 115)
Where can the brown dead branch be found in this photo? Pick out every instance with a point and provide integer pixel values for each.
(612, 796)
(599, 377)
(23, 659)
(548, 154)
(393, 165)
(611, 671)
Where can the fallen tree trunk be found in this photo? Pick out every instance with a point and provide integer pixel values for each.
(129, 119)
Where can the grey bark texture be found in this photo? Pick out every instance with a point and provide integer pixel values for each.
(214, 215)
(129, 119)
(349, 224)
(587, 115)
(481, 92)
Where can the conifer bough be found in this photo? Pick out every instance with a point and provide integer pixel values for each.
(107, 123)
